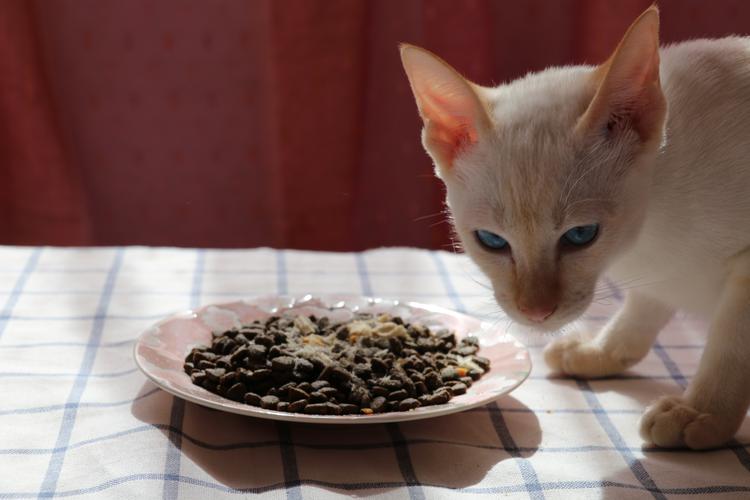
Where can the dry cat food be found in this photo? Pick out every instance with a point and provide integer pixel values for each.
(304, 364)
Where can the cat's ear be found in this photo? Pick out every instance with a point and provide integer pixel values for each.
(628, 91)
(453, 114)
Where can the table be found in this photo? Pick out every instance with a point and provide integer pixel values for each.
(78, 420)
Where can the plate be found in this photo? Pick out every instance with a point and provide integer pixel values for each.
(161, 350)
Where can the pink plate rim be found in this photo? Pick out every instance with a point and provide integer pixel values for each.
(160, 350)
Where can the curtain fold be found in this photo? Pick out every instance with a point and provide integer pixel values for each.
(41, 196)
(250, 123)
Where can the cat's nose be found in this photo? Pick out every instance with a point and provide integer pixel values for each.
(538, 312)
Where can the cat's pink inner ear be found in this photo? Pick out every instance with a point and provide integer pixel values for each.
(628, 89)
(451, 110)
(447, 127)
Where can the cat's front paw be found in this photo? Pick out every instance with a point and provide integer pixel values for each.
(577, 355)
(673, 423)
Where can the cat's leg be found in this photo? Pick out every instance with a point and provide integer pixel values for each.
(716, 400)
(624, 341)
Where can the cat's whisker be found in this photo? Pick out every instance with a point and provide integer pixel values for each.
(441, 213)
(614, 288)
(617, 291)
(641, 285)
(435, 224)
(450, 246)
(483, 285)
(509, 326)
(473, 278)
(606, 294)
(564, 199)
(605, 300)
(624, 282)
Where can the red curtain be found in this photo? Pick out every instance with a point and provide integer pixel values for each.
(41, 200)
(286, 123)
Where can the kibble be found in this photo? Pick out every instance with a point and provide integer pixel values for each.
(205, 365)
(398, 395)
(319, 384)
(333, 408)
(349, 409)
(295, 394)
(260, 374)
(408, 404)
(378, 404)
(317, 397)
(252, 399)
(214, 374)
(269, 402)
(297, 406)
(379, 391)
(458, 388)
(308, 365)
(316, 409)
(237, 391)
(282, 364)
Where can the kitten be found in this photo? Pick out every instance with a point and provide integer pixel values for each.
(638, 168)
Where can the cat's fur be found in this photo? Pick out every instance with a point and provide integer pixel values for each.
(654, 146)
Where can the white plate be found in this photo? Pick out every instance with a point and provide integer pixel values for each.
(161, 350)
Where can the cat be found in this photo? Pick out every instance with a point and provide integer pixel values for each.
(639, 169)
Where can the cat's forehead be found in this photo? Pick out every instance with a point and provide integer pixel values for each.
(552, 98)
(531, 168)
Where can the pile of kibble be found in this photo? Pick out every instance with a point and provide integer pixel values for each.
(304, 364)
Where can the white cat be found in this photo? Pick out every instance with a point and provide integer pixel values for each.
(638, 168)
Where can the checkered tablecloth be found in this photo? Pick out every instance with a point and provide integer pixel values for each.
(78, 420)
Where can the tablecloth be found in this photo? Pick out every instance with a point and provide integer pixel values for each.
(77, 419)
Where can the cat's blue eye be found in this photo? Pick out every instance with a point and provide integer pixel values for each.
(581, 235)
(490, 240)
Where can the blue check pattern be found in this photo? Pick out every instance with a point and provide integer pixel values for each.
(78, 420)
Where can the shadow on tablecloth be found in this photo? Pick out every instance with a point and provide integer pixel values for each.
(646, 471)
(250, 454)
